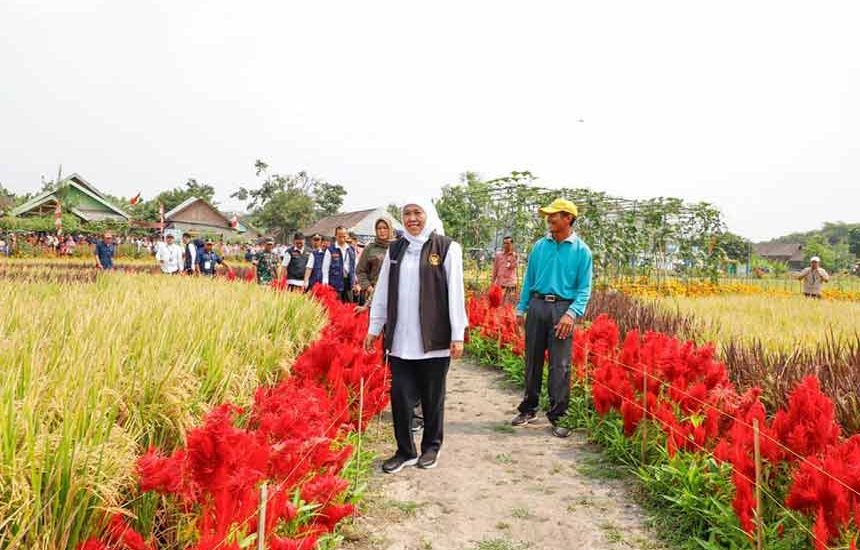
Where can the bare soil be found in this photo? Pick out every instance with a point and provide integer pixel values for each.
(496, 487)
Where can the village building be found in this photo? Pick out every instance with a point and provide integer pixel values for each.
(196, 216)
(790, 254)
(78, 197)
(360, 222)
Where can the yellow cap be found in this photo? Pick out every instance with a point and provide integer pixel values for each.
(559, 205)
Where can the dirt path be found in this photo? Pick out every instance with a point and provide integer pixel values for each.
(497, 488)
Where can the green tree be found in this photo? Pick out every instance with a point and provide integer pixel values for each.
(817, 246)
(8, 200)
(734, 246)
(328, 198)
(284, 203)
(854, 241)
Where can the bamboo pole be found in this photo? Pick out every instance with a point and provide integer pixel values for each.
(759, 524)
(261, 525)
(360, 435)
(644, 414)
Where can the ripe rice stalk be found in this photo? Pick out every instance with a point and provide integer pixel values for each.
(93, 373)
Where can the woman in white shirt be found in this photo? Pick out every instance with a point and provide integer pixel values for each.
(420, 303)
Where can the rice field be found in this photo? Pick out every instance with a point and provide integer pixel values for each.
(778, 323)
(92, 373)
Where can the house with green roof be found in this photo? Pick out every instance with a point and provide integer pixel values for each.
(78, 197)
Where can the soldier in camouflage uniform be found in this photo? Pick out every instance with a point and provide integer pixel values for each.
(266, 263)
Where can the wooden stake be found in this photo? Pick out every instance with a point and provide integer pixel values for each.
(360, 435)
(759, 523)
(644, 414)
(261, 525)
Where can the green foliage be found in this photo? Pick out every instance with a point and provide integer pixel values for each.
(283, 204)
(626, 237)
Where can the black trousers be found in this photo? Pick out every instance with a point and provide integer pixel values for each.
(346, 293)
(541, 319)
(411, 381)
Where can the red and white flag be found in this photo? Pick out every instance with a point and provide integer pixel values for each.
(234, 221)
(135, 199)
(161, 216)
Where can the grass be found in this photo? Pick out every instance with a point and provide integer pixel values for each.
(500, 544)
(600, 467)
(522, 513)
(779, 323)
(94, 373)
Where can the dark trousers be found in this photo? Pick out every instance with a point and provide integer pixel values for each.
(541, 319)
(411, 381)
(346, 293)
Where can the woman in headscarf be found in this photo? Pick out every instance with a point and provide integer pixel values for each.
(420, 301)
(371, 259)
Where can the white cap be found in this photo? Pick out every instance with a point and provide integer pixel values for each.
(815, 259)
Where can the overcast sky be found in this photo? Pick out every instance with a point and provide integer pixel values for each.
(754, 106)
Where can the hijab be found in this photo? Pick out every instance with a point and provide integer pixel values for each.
(384, 242)
(432, 224)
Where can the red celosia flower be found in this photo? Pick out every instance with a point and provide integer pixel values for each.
(808, 426)
(495, 296)
(121, 536)
(323, 489)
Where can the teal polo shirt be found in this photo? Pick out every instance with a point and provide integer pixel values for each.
(562, 269)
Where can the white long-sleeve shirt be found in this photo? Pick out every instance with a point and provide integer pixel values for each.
(309, 267)
(408, 343)
(170, 257)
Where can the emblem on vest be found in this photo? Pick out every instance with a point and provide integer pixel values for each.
(434, 259)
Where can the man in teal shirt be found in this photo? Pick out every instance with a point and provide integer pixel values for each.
(555, 293)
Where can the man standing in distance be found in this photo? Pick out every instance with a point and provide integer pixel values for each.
(209, 260)
(169, 256)
(318, 251)
(505, 269)
(339, 265)
(189, 250)
(266, 263)
(299, 263)
(813, 277)
(105, 251)
(556, 290)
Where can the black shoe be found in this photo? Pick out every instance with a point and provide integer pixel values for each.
(417, 424)
(560, 431)
(523, 418)
(397, 463)
(429, 459)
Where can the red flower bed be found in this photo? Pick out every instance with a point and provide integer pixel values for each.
(290, 438)
(689, 396)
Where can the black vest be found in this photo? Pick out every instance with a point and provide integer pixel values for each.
(188, 264)
(298, 263)
(432, 295)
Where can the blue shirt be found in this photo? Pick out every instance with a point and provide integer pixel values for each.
(105, 253)
(207, 262)
(562, 269)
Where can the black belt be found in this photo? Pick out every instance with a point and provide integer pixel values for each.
(550, 298)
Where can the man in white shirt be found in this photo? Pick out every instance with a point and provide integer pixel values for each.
(298, 264)
(169, 256)
(813, 277)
